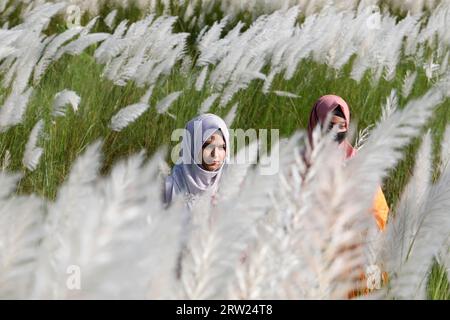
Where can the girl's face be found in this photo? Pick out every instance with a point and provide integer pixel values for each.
(340, 125)
(214, 152)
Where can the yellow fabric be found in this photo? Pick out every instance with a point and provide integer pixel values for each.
(380, 209)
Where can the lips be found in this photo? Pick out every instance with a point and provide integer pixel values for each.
(214, 164)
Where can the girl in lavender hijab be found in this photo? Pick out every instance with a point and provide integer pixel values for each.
(204, 155)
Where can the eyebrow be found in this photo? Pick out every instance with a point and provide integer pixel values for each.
(210, 143)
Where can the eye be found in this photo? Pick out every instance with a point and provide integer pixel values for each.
(208, 147)
(207, 144)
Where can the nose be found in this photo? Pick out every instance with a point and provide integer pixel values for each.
(214, 152)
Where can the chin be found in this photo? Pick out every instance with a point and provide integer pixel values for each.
(212, 168)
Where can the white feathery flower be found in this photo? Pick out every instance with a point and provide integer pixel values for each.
(286, 94)
(208, 102)
(12, 111)
(390, 106)
(430, 68)
(62, 99)
(229, 118)
(200, 82)
(33, 153)
(79, 45)
(6, 160)
(127, 115)
(109, 19)
(164, 104)
(408, 83)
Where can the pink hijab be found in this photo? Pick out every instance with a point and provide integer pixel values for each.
(321, 108)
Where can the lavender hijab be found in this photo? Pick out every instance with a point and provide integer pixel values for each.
(188, 177)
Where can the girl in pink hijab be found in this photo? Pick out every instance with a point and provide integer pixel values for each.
(341, 118)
